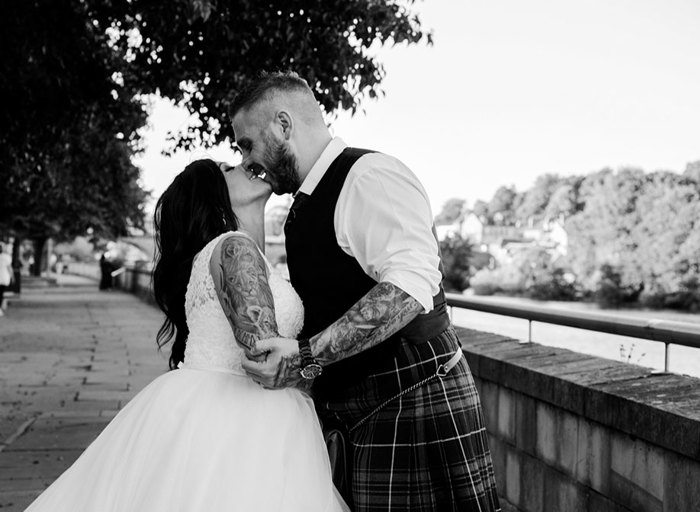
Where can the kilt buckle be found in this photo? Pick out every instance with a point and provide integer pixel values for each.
(445, 368)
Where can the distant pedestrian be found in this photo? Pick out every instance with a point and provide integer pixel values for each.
(105, 273)
(5, 277)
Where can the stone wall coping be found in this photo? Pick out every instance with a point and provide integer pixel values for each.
(661, 408)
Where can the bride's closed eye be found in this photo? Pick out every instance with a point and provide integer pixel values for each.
(225, 167)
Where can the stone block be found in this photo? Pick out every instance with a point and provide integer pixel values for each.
(546, 433)
(567, 442)
(507, 507)
(498, 455)
(21, 467)
(593, 456)
(596, 502)
(513, 472)
(639, 463)
(636, 474)
(489, 404)
(681, 483)
(88, 393)
(525, 423)
(16, 501)
(532, 483)
(60, 434)
(562, 494)
(506, 415)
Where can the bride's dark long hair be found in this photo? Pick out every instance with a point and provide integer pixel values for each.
(193, 210)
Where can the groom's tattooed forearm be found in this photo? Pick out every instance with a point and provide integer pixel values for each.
(376, 316)
(246, 298)
(288, 373)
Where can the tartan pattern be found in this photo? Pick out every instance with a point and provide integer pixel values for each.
(424, 451)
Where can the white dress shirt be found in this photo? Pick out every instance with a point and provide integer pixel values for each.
(383, 219)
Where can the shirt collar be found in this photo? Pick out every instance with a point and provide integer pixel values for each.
(334, 148)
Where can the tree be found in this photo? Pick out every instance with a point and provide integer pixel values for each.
(200, 52)
(69, 126)
(601, 232)
(456, 253)
(665, 237)
(481, 209)
(501, 208)
(535, 200)
(74, 72)
(565, 201)
(451, 211)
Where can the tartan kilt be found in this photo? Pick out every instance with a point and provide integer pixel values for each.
(428, 449)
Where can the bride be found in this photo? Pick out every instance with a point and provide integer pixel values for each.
(204, 436)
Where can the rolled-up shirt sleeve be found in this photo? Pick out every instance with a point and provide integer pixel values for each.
(383, 219)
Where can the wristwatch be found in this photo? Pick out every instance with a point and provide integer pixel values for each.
(310, 369)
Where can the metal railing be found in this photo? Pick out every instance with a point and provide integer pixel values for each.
(667, 332)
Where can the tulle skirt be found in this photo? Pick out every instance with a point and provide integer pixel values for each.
(198, 440)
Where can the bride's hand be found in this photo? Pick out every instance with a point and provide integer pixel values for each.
(280, 369)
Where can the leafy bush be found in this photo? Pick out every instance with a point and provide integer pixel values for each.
(508, 279)
(610, 291)
(553, 284)
(456, 252)
(687, 298)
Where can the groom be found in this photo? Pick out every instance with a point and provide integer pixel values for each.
(377, 344)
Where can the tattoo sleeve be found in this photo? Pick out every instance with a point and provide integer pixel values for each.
(376, 316)
(241, 281)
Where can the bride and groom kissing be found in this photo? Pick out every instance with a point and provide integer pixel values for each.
(358, 343)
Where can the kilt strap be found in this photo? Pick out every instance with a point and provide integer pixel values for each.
(441, 372)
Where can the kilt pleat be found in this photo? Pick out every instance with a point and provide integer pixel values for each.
(426, 450)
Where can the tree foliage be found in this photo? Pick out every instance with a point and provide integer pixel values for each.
(456, 253)
(73, 75)
(200, 52)
(503, 204)
(451, 211)
(69, 125)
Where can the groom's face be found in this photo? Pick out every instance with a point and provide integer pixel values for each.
(265, 151)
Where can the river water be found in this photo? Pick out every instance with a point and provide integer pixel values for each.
(682, 360)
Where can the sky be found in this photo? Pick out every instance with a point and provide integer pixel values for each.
(511, 90)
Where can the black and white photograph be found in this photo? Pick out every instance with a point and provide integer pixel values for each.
(349, 256)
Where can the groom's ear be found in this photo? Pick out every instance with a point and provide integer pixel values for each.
(286, 123)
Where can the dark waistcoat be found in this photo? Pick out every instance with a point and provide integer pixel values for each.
(329, 281)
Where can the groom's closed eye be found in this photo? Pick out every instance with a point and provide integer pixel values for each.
(245, 145)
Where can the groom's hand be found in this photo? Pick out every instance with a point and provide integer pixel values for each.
(281, 367)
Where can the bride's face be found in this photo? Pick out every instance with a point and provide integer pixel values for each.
(244, 187)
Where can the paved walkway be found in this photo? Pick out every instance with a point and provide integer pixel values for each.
(70, 358)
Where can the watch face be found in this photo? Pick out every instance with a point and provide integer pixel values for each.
(311, 371)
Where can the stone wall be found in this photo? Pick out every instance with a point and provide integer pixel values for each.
(571, 432)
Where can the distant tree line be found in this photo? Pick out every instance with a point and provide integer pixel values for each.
(633, 237)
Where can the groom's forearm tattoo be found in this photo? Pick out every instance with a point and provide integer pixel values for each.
(376, 316)
(246, 299)
(288, 373)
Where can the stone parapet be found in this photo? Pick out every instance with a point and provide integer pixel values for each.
(575, 432)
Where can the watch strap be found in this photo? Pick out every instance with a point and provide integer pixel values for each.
(305, 352)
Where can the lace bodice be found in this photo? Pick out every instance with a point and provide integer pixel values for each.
(211, 343)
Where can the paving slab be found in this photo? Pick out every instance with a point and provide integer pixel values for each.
(70, 358)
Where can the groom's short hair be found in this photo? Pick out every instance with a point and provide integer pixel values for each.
(265, 85)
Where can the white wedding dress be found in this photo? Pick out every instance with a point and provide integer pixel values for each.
(205, 437)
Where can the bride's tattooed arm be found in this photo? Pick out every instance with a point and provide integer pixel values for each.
(244, 291)
(246, 298)
(380, 313)
(376, 316)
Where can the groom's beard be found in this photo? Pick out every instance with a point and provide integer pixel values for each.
(281, 167)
